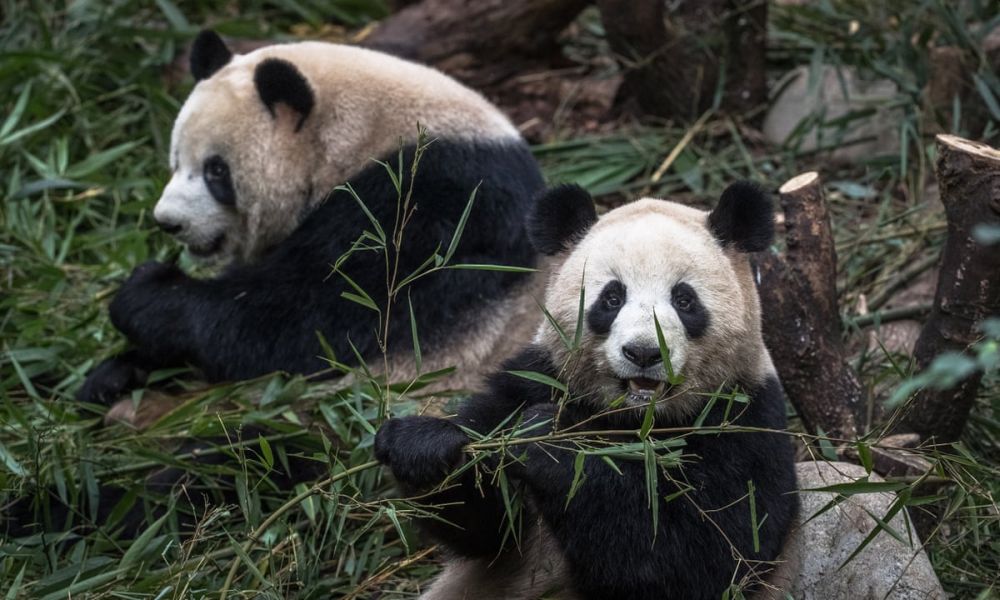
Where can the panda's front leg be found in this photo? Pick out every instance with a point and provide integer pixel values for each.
(150, 309)
(548, 466)
(421, 452)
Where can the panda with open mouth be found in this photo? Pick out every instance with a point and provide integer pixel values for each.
(257, 153)
(657, 280)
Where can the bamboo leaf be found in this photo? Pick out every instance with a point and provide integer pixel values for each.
(141, 546)
(541, 378)
(457, 236)
(754, 527)
(413, 334)
(672, 378)
(578, 476)
(862, 486)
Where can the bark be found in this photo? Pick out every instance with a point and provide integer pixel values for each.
(802, 320)
(481, 42)
(968, 283)
(675, 62)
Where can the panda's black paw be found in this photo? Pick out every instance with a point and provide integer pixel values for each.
(111, 379)
(420, 451)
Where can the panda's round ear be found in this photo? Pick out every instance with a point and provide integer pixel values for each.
(743, 218)
(559, 217)
(208, 54)
(278, 80)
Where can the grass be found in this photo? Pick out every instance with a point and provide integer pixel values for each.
(87, 106)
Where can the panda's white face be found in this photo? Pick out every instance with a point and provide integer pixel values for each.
(248, 164)
(198, 206)
(241, 179)
(647, 262)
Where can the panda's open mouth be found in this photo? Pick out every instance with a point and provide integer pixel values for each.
(642, 390)
(208, 249)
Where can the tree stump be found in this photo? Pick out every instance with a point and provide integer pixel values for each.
(968, 284)
(675, 62)
(802, 320)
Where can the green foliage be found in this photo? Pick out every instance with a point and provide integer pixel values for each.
(948, 369)
(88, 92)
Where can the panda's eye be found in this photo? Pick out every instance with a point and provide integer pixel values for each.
(613, 300)
(216, 168)
(605, 309)
(218, 180)
(613, 295)
(690, 310)
(684, 303)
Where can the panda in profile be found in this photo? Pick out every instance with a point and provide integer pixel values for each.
(257, 149)
(647, 260)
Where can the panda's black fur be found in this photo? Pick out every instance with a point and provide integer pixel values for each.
(263, 317)
(606, 530)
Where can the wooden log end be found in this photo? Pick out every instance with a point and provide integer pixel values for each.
(969, 147)
(798, 182)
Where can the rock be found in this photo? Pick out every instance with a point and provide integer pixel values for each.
(885, 569)
(836, 109)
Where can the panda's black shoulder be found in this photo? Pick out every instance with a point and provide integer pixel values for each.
(510, 389)
(531, 359)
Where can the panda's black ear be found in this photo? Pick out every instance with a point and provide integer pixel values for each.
(208, 54)
(560, 217)
(743, 218)
(278, 80)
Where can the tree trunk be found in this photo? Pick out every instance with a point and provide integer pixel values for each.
(950, 77)
(802, 320)
(968, 284)
(675, 63)
(481, 42)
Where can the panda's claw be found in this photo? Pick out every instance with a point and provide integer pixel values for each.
(110, 380)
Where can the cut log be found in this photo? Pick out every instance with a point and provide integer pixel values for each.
(968, 284)
(480, 43)
(674, 61)
(802, 320)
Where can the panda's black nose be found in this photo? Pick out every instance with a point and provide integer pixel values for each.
(642, 356)
(167, 226)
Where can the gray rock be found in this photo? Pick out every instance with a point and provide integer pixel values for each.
(886, 568)
(834, 108)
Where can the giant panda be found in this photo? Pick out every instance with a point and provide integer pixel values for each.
(645, 262)
(256, 153)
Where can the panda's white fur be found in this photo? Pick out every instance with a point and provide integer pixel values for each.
(366, 103)
(650, 245)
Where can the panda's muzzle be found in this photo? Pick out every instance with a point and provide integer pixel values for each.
(209, 249)
(168, 226)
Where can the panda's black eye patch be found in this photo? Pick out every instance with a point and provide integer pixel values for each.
(603, 311)
(219, 180)
(689, 309)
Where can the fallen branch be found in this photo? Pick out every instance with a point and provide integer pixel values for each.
(902, 313)
(480, 43)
